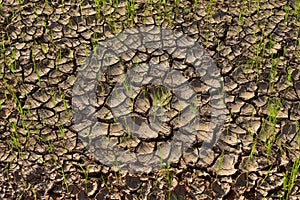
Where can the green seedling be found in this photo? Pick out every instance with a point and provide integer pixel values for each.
(80, 7)
(36, 69)
(62, 133)
(44, 49)
(209, 10)
(273, 73)
(65, 179)
(58, 57)
(98, 8)
(103, 181)
(286, 16)
(169, 177)
(62, 95)
(220, 162)
(289, 179)
(207, 39)
(13, 64)
(258, 6)
(130, 8)
(15, 138)
(117, 171)
(254, 143)
(297, 10)
(273, 106)
(266, 176)
(50, 144)
(86, 175)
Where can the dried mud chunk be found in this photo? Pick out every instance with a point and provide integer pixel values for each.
(155, 195)
(73, 189)
(133, 183)
(248, 110)
(220, 189)
(129, 142)
(245, 94)
(251, 165)
(191, 157)
(297, 88)
(247, 120)
(290, 134)
(241, 181)
(142, 104)
(236, 106)
(230, 139)
(145, 148)
(237, 129)
(206, 157)
(230, 84)
(290, 94)
(115, 129)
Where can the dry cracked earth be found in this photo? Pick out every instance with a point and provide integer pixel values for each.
(45, 49)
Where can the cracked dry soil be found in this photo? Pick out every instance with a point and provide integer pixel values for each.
(43, 46)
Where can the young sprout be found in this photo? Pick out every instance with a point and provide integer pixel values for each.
(297, 10)
(86, 175)
(220, 162)
(286, 16)
(65, 179)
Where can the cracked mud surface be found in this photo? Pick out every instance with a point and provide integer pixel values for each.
(42, 50)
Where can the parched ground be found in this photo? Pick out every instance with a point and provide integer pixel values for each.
(256, 47)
